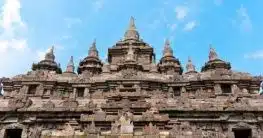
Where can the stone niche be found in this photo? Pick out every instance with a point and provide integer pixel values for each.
(14, 130)
(243, 130)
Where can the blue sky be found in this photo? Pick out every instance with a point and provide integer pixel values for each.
(29, 27)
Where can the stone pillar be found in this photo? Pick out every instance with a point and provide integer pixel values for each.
(23, 90)
(73, 94)
(235, 89)
(86, 93)
(170, 93)
(255, 133)
(40, 90)
(217, 89)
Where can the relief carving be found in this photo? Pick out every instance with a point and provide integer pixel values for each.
(91, 129)
(70, 103)
(129, 73)
(151, 130)
(123, 125)
(34, 132)
(19, 102)
(48, 105)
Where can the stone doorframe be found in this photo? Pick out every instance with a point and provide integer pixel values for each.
(14, 126)
(243, 125)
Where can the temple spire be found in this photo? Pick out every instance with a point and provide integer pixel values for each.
(93, 52)
(70, 66)
(131, 33)
(50, 54)
(212, 53)
(190, 67)
(214, 62)
(167, 49)
(132, 24)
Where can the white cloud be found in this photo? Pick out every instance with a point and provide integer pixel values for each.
(98, 4)
(10, 14)
(190, 26)
(255, 55)
(15, 54)
(243, 19)
(181, 12)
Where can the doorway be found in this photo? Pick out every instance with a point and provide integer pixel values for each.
(13, 133)
(242, 133)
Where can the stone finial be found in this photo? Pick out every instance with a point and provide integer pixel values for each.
(132, 24)
(131, 32)
(190, 66)
(212, 53)
(93, 52)
(70, 66)
(50, 54)
(130, 55)
(167, 49)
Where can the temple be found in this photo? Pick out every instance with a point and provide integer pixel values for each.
(131, 95)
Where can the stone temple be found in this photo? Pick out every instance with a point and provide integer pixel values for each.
(131, 96)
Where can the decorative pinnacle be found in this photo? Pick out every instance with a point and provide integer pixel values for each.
(71, 63)
(190, 66)
(212, 53)
(167, 43)
(50, 54)
(93, 52)
(167, 49)
(52, 50)
(94, 43)
(131, 32)
(132, 24)
(70, 66)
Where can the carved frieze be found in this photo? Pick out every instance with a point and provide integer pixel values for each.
(129, 73)
(91, 129)
(19, 102)
(70, 103)
(35, 132)
(48, 105)
(123, 125)
(151, 130)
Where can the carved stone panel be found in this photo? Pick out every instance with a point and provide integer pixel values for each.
(19, 102)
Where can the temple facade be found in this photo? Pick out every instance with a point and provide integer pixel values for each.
(131, 95)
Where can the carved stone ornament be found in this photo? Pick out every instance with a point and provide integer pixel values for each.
(123, 125)
(148, 116)
(49, 105)
(19, 102)
(129, 73)
(35, 132)
(151, 130)
(91, 129)
(91, 105)
(70, 103)
(209, 134)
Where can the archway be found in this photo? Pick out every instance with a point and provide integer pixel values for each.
(242, 133)
(13, 133)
